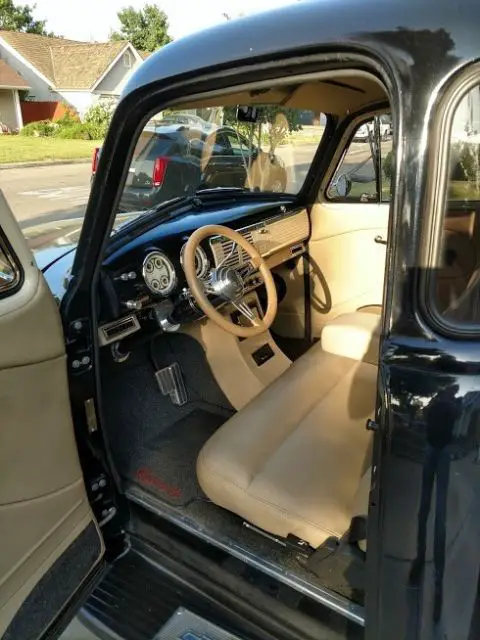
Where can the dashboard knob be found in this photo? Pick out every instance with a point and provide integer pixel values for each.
(135, 305)
(125, 277)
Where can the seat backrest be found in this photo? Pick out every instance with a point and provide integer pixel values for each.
(353, 335)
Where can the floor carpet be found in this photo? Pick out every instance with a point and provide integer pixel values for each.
(166, 466)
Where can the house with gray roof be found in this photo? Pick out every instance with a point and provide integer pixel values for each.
(57, 70)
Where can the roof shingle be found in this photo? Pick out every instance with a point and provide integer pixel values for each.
(67, 64)
(10, 78)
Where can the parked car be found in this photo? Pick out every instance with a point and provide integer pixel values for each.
(252, 414)
(188, 119)
(365, 131)
(173, 159)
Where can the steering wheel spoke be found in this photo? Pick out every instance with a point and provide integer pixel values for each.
(208, 285)
(226, 257)
(246, 312)
(227, 281)
(247, 269)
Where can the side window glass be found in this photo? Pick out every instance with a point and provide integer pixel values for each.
(457, 279)
(237, 148)
(355, 179)
(9, 274)
(221, 146)
(387, 169)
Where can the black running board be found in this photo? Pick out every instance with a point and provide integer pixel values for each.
(137, 600)
(146, 588)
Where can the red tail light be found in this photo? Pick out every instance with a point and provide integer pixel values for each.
(159, 170)
(96, 153)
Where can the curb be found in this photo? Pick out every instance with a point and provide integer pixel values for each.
(43, 163)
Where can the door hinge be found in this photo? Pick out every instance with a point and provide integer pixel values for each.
(79, 347)
(371, 425)
(91, 415)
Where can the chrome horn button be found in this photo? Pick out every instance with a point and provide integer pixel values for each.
(227, 283)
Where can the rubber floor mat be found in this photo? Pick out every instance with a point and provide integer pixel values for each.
(166, 466)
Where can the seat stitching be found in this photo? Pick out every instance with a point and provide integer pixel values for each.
(268, 502)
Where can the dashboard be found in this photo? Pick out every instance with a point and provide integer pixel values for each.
(143, 280)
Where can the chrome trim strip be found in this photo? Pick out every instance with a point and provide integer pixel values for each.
(329, 599)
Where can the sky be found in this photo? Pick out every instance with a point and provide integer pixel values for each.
(94, 19)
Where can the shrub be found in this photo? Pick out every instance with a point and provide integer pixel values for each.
(387, 166)
(73, 131)
(68, 118)
(41, 128)
(98, 117)
(465, 162)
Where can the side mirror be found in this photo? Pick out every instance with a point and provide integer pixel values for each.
(341, 186)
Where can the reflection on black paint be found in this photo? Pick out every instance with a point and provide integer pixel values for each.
(440, 415)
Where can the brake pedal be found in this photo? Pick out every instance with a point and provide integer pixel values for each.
(171, 383)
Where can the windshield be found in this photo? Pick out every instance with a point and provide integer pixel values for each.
(248, 148)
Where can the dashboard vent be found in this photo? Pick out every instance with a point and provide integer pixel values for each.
(222, 247)
(119, 329)
(267, 237)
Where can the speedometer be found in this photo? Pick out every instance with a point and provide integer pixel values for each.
(159, 273)
(202, 264)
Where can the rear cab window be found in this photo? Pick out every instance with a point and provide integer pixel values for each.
(454, 289)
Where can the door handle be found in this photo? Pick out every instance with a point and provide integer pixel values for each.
(380, 240)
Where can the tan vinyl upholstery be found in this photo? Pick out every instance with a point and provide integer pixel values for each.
(292, 460)
(353, 335)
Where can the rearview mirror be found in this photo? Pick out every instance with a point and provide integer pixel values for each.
(247, 114)
(341, 186)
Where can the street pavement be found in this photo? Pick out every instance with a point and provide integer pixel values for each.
(48, 192)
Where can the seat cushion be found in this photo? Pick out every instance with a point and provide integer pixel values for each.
(292, 460)
(353, 335)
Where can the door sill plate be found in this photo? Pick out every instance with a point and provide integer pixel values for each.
(185, 625)
(337, 603)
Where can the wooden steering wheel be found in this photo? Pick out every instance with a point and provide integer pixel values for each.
(228, 283)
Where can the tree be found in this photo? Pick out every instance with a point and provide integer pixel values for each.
(146, 29)
(20, 18)
(274, 124)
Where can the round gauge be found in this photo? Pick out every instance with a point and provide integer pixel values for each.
(202, 263)
(159, 273)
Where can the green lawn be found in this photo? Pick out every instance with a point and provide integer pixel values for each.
(24, 149)
(463, 190)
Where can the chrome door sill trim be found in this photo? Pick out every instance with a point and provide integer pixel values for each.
(329, 599)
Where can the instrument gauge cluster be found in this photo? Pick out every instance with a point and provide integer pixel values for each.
(159, 273)
(202, 263)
